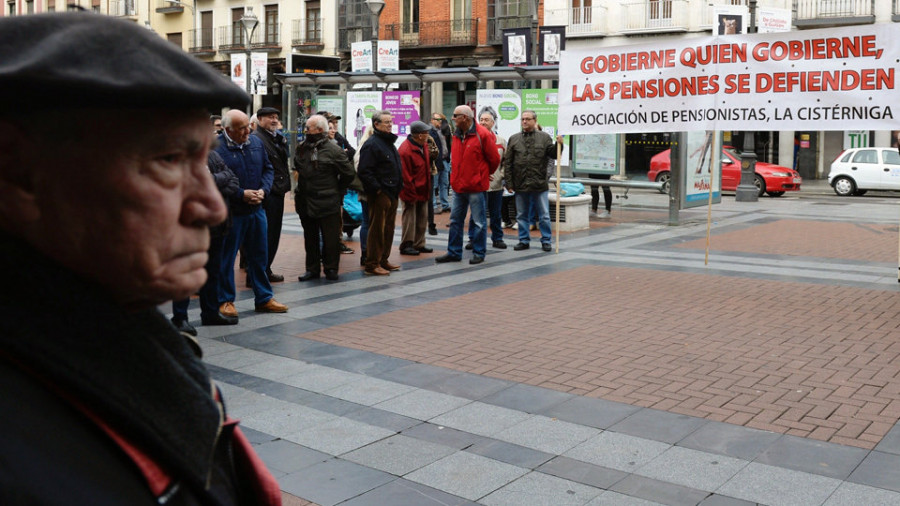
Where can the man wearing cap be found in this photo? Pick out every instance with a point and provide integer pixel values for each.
(417, 187)
(102, 400)
(277, 150)
(475, 157)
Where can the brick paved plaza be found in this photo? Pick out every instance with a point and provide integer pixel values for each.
(620, 371)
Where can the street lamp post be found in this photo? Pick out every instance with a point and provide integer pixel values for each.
(746, 190)
(249, 22)
(375, 6)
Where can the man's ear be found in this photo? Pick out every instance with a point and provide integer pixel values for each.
(18, 203)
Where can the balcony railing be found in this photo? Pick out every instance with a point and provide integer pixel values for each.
(810, 13)
(201, 41)
(232, 38)
(581, 21)
(122, 8)
(351, 34)
(496, 26)
(895, 13)
(167, 7)
(456, 32)
(656, 15)
(301, 36)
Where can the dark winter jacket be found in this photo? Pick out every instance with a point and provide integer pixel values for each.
(379, 165)
(251, 165)
(474, 158)
(525, 161)
(345, 145)
(277, 151)
(323, 175)
(105, 406)
(416, 163)
(228, 186)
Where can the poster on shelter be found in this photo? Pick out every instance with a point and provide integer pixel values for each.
(505, 106)
(404, 106)
(699, 172)
(360, 107)
(839, 78)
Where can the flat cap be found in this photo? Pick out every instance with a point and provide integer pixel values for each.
(266, 111)
(59, 60)
(418, 127)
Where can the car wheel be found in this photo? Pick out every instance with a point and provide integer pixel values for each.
(860, 193)
(844, 186)
(775, 194)
(665, 178)
(760, 184)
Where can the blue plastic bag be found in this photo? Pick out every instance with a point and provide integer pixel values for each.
(571, 189)
(352, 206)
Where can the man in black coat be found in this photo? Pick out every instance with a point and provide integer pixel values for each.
(277, 149)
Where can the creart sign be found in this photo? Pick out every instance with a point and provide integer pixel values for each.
(834, 79)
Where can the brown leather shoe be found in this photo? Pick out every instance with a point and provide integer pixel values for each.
(389, 266)
(272, 306)
(378, 271)
(228, 309)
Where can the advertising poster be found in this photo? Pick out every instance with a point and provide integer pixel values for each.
(545, 103)
(388, 55)
(360, 106)
(772, 20)
(839, 78)
(552, 42)
(516, 47)
(238, 72)
(334, 105)
(259, 73)
(361, 56)
(701, 146)
(505, 105)
(404, 105)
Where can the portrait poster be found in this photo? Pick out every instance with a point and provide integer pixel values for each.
(730, 19)
(360, 107)
(505, 106)
(552, 43)
(517, 47)
(238, 70)
(259, 73)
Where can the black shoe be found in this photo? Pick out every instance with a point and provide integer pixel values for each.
(308, 276)
(425, 249)
(499, 245)
(476, 260)
(331, 274)
(409, 250)
(469, 245)
(184, 326)
(447, 258)
(521, 246)
(362, 258)
(218, 319)
(275, 278)
(546, 246)
(432, 229)
(346, 250)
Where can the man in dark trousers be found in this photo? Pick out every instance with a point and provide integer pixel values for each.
(102, 400)
(382, 177)
(277, 150)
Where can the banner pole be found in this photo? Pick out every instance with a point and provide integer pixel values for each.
(558, 194)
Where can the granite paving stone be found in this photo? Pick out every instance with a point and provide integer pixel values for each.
(422, 404)
(890, 443)
(659, 425)
(731, 440)
(610, 498)
(766, 484)
(470, 386)
(509, 453)
(275, 368)
(333, 481)
(721, 500)
(399, 454)
(878, 470)
(480, 418)
(467, 475)
(692, 468)
(321, 379)
(547, 434)
(286, 419)
(402, 492)
(369, 391)
(591, 412)
(853, 494)
(659, 491)
(237, 358)
(536, 489)
(339, 436)
(383, 419)
(582, 472)
(617, 451)
(811, 456)
(289, 457)
(527, 398)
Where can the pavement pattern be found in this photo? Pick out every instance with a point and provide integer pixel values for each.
(623, 370)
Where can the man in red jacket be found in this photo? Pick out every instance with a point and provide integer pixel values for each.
(417, 188)
(473, 157)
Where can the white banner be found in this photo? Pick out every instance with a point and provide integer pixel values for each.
(361, 56)
(238, 70)
(388, 55)
(831, 79)
(259, 74)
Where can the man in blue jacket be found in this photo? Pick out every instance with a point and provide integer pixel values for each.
(245, 155)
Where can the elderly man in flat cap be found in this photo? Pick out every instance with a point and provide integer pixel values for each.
(417, 188)
(102, 400)
(277, 150)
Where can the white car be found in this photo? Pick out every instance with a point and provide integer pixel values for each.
(858, 170)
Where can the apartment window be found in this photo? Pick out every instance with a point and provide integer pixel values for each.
(581, 12)
(462, 9)
(660, 9)
(11, 9)
(175, 38)
(206, 29)
(237, 29)
(29, 6)
(514, 8)
(313, 22)
(410, 13)
(51, 5)
(271, 24)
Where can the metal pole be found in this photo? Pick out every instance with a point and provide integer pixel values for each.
(746, 190)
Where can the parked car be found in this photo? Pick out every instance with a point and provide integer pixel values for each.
(858, 170)
(770, 179)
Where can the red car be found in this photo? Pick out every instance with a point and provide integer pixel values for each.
(771, 179)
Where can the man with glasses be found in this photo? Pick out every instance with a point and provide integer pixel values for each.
(525, 168)
(476, 157)
(382, 178)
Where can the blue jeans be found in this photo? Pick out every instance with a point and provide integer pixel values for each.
(442, 183)
(494, 208)
(462, 202)
(540, 202)
(249, 230)
(364, 228)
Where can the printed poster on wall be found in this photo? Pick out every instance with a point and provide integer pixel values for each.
(334, 105)
(517, 47)
(505, 106)
(361, 57)
(772, 20)
(404, 105)
(552, 42)
(360, 107)
(545, 103)
(238, 70)
(698, 174)
(595, 154)
(730, 19)
(259, 73)
(388, 55)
